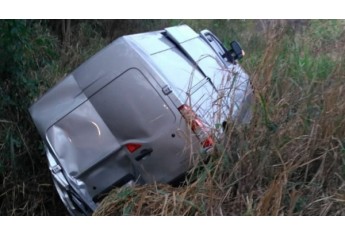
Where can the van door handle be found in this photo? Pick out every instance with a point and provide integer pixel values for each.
(143, 153)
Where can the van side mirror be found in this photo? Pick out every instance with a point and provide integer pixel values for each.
(235, 53)
(237, 50)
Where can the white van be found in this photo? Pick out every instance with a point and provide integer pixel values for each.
(137, 110)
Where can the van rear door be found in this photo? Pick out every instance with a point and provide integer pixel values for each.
(136, 113)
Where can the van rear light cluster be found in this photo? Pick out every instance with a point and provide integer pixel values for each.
(132, 147)
(197, 126)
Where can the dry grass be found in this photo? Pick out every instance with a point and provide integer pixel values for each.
(153, 200)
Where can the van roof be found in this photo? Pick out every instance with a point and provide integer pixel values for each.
(154, 42)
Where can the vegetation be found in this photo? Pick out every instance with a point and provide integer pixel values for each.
(290, 160)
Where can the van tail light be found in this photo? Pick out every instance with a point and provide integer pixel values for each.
(132, 147)
(197, 126)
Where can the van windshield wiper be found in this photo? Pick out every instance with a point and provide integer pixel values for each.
(189, 57)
